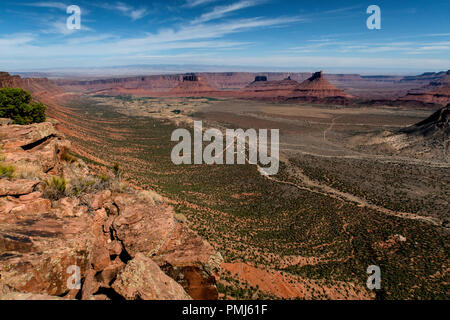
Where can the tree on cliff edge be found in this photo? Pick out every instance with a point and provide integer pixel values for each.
(15, 103)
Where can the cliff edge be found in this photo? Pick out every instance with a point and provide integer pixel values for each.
(68, 233)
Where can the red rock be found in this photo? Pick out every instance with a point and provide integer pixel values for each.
(56, 245)
(114, 248)
(140, 226)
(112, 245)
(16, 187)
(90, 285)
(143, 279)
(438, 96)
(110, 272)
(192, 85)
(100, 258)
(16, 136)
(15, 242)
(69, 207)
(31, 196)
(191, 261)
(37, 206)
(44, 156)
(316, 86)
(99, 198)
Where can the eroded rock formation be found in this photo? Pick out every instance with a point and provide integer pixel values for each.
(127, 244)
(437, 91)
(192, 85)
(37, 86)
(317, 86)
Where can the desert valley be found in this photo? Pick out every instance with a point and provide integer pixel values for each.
(364, 180)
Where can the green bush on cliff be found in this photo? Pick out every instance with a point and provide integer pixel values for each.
(15, 103)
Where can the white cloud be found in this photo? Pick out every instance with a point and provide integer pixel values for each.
(327, 45)
(54, 5)
(15, 40)
(221, 11)
(196, 3)
(195, 37)
(125, 9)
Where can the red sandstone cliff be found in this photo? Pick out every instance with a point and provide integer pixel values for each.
(37, 86)
(437, 91)
(192, 85)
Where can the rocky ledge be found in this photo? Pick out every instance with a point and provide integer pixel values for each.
(56, 217)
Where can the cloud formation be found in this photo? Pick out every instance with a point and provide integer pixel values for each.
(221, 11)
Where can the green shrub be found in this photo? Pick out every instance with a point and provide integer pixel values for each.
(55, 188)
(90, 184)
(117, 171)
(6, 171)
(15, 103)
(67, 157)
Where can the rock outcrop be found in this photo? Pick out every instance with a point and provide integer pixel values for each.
(437, 92)
(436, 124)
(37, 86)
(428, 139)
(439, 96)
(264, 88)
(317, 87)
(126, 244)
(192, 85)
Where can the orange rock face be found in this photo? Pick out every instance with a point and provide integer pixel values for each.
(192, 85)
(317, 86)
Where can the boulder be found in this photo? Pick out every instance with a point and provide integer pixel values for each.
(69, 207)
(44, 156)
(191, 261)
(37, 250)
(140, 226)
(16, 187)
(18, 136)
(36, 206)
(18, 207)
(97, 200)
(143, 279)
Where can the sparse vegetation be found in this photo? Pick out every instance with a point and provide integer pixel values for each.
(27, 171)
(250, 219)
(6, 171)
(55, 188)
(67, 157)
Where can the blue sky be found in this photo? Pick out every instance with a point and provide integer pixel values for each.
(238, 34)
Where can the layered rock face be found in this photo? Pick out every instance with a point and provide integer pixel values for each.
(37, 86)
(316, 86)
(160, 83)
(125, 243)
(192, 85)
(437, 91)
(438, 96)
(274, 88)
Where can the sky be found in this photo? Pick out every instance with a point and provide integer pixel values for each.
(235, 35)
